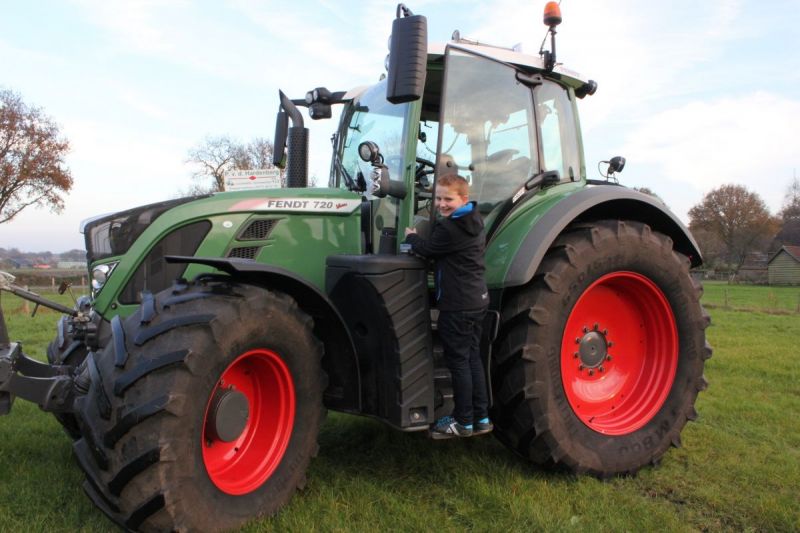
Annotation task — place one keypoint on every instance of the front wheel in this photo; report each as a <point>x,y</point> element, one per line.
<point>600,359</point>
<point>204,410</point>
<point>66,350</point>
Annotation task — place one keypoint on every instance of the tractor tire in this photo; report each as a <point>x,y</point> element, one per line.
<point>600,358</point>
<point>65,350</point>
<point>203,410</point>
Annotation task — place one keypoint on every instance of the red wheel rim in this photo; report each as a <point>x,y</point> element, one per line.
<point>243,464</point>
<point>619,353</point>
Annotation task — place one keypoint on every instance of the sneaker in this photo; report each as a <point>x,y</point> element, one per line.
<point>484,425</point>
<point>447,427</point>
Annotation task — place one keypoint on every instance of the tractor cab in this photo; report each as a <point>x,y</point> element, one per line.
<point>495,116</point>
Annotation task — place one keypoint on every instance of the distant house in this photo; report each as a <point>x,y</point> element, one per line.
<point>42,266</point>
<point>784,266</point>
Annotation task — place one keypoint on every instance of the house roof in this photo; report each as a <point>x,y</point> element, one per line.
<point>793,251</point>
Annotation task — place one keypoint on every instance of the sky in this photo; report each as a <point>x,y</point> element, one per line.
<point>693,94</point>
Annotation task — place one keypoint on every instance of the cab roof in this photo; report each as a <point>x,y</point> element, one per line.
<point>528,62</point>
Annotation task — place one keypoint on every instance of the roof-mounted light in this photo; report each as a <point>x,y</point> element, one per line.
<point>552,14</point>
<point>552,18</point>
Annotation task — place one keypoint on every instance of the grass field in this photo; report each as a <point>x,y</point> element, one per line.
<point>738,469</point>
<point>719,294</point>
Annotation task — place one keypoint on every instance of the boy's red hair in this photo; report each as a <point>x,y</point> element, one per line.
<point>456,182</point>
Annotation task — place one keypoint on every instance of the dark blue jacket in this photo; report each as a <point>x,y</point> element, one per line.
<point>457,246</point>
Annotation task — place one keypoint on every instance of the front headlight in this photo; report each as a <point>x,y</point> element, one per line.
<point>100,275</point>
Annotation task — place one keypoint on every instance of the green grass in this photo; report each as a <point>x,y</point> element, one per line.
<point>751,297</point>
<point>738,469</point>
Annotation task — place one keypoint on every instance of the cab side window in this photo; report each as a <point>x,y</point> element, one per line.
<point>557,130</point>
<point>488,128</point>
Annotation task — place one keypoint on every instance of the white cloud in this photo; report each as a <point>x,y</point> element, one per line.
<point>747,140</point>
<point>112,171</point>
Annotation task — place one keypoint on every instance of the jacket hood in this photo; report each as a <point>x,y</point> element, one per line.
<point>468,219</point>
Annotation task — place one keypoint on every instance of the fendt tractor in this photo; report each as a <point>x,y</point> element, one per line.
<point>195,377</point>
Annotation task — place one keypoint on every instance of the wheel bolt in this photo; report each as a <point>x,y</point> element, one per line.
<point>585,329</point>
<point>575,355</point>
<point>591,372</point>
<point>601,369</point>
<point>608,358</point>
<point>605,332</point>
<point>580,367</point>
<point>577,340</point>
<point>610,344</point>
<point>596,326</point>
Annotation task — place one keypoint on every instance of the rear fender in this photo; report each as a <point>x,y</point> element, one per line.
<point>340,361</point>
<point>595,203</point>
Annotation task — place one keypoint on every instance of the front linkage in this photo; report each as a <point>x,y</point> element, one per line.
<point>51,387</point>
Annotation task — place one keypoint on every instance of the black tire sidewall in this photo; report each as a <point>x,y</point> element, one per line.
<point>630,248</point>
<point>305,372</point>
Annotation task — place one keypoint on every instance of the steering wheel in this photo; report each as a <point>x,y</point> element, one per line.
<point>424,169</point>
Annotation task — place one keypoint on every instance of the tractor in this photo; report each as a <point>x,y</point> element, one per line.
<point>220,329</point>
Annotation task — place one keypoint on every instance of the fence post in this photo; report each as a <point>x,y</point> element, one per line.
<point>726,298</point>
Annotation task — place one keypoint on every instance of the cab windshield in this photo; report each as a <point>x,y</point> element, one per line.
<point>370,117</point>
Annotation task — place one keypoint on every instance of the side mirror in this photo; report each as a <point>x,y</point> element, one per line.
<point>408,56</point>
<point>616,164</point>
<point>380,183</point>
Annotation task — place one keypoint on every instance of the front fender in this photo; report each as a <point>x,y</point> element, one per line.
<point>340,361</point>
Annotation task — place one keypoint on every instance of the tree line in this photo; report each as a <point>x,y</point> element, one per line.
<point>732,222</point>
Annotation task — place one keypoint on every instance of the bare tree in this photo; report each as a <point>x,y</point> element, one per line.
<point>215,156</point>
<point>790,217</point>
<point>32,168</point>
<point>255,154</point>
<point>738,218</point>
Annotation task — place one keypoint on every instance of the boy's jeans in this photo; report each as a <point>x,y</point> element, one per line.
<point>460,332</point>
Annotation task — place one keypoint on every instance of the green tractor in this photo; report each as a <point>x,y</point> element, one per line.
<point>220,329</point>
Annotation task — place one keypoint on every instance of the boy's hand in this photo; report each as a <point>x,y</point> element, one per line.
<point>409,231</point>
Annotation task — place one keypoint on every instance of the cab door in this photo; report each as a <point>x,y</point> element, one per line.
<point>498,126</point>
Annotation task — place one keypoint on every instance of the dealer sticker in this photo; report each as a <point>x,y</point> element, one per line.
<point>301,205</point>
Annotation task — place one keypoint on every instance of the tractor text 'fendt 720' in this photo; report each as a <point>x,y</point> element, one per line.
<point>195,378</point>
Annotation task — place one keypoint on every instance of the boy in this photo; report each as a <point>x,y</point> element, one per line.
<point>457,245</point>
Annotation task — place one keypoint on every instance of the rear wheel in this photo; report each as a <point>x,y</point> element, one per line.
<point>600,359</point>
<point>204,412</point>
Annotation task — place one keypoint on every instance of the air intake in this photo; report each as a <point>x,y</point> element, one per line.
<point>245,252</point>
<point>258,230</point>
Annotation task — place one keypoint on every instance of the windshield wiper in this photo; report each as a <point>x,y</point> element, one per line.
<point>348,179</point>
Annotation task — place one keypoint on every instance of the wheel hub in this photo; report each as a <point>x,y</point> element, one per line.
<point>616,387</point>
<point>228,415</point>
<point>593,349</point>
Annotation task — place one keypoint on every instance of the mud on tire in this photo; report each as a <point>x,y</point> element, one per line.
<point>156,455</point>
<point>600,358</point>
